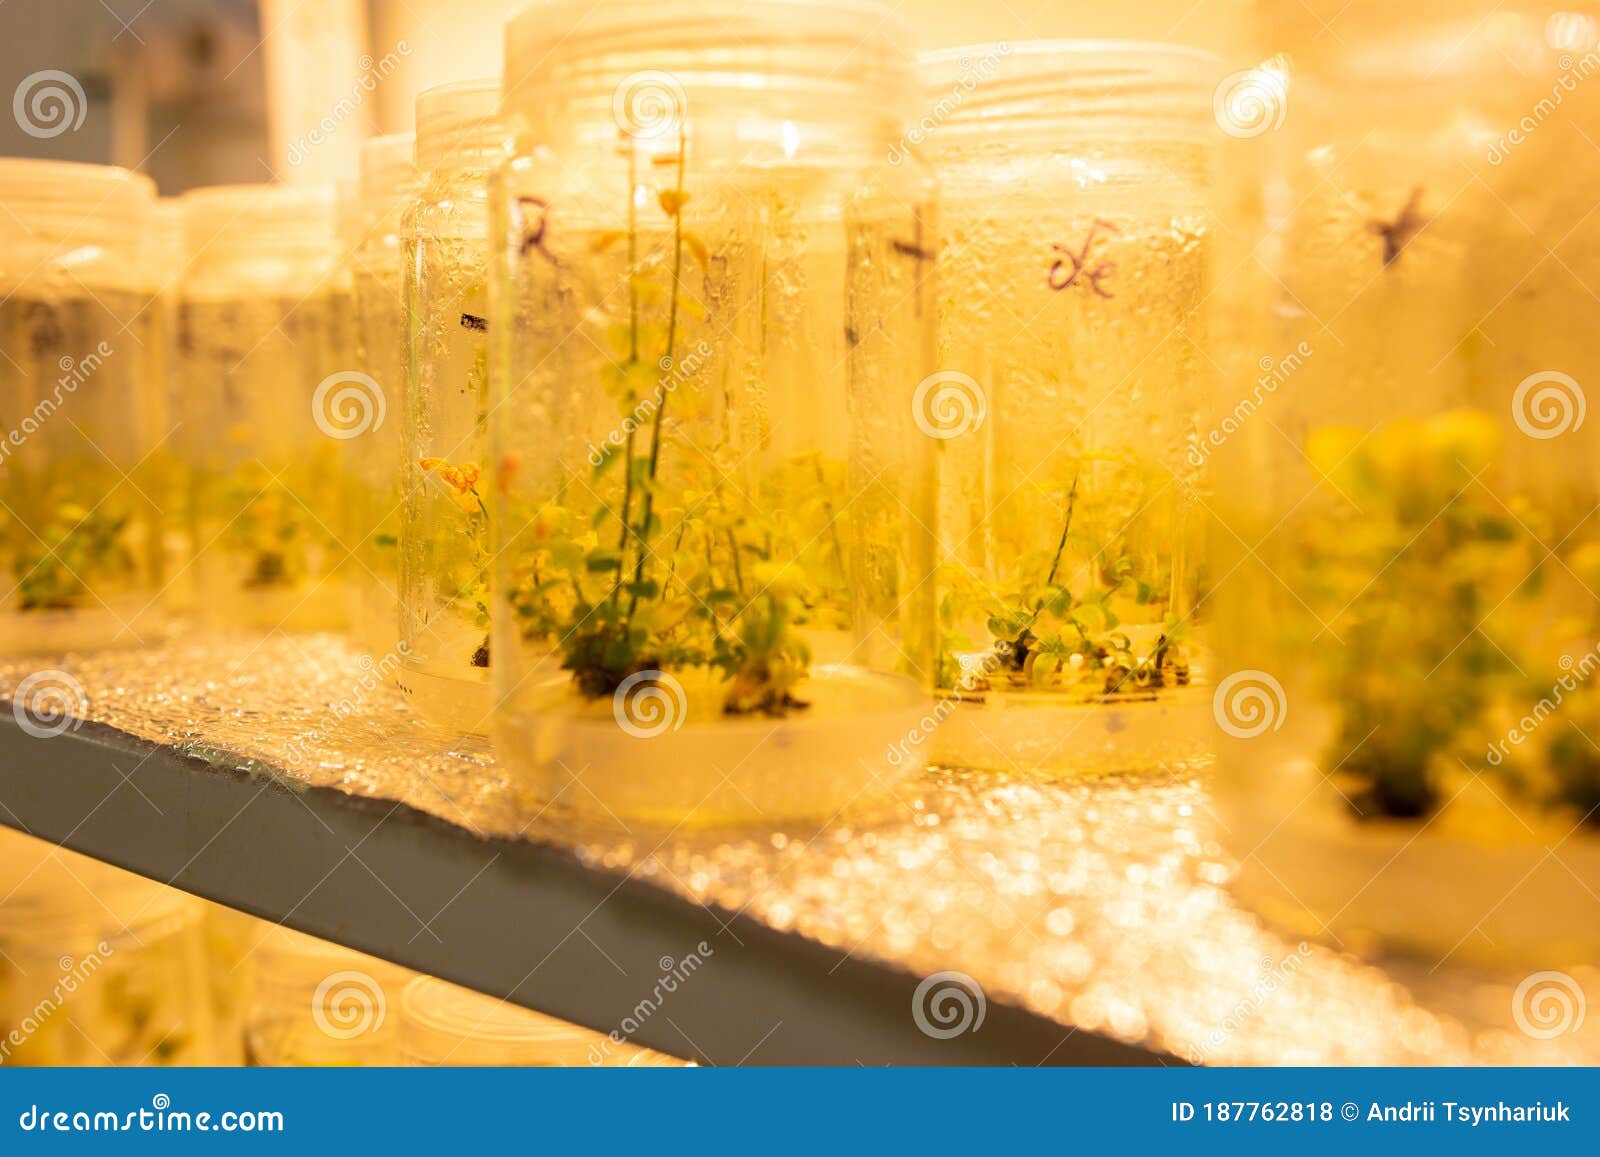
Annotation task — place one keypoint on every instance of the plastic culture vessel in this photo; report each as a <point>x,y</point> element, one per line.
<point>705,299</point>
<point>270,392</point>
<point>97,967</point>
<point>442,1024</point>
<point>445,557</point>
<point>389,182</point>
<point>1409,660</point>
<point>319,1003</point>
<point>168,259</point>
<point>81,413</point>
<point>1077,241</point>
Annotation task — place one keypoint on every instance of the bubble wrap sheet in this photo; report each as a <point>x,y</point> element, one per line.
<point>1100,904</point>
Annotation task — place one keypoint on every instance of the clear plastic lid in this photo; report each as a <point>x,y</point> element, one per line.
<point>85,215</point>
<point>1075,88</point>
<point>458,125</point>
<point>261,232</point>
<point>1389,46</point>
<point>649,62</point>
<point>166,238</point>
<point>388,167</point>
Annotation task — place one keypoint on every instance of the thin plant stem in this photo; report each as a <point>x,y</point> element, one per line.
<point>647,508</point>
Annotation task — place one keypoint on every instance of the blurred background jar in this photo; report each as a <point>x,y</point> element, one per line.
<point>318,1003</point>
<point>1409,616</point>
<point>701,220</point>
<point>444,568</point>
<point>265,360</point>
<point>97,966</point>
<point>1076,250</point>
<point>443,1024</point>
<point>81,411</point>
<point>169,259</point>
<point>389,181</point>
<point>231,940</point>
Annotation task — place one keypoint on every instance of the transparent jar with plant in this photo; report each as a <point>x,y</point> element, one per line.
<point>1410,618</point>
<point>82,416</point>
<point>270,392</point>
<point>445,556</point>
<point>1076,247</point>
<point>318,1003</point>
<point>701,248</point>
<point>375,469</point>
<point>97,966</point>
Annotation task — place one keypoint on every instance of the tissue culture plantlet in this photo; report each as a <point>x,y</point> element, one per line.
<point>70,529</point>
<point>457,566</point>
<point>684,563</point>
<point>1112,637</point>
<point>468,583</point>
<point>268,491</point>
<point>75,542</point>
<point>1433,588</point>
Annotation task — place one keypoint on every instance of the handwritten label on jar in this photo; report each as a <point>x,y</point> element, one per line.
<point>1397,234</point>
<point>1071,266</point>
<point>917,249</point>
<point>535,214</point>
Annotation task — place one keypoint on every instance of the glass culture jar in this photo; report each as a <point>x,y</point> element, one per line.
<point>442,1024</point>
<point>81,411</point>
<point>444,567</point>
<point>707,312</point>
<point>389,181</point>
<point>264,359</point>
<point>231,939</point>
<point>1077,238</point>
<point>179,590</point>
<point>97,967</point>
<point>1409,622</point>
<point>319,1003</point>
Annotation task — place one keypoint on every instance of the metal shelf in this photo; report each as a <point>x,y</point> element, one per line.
<point>513,918</point>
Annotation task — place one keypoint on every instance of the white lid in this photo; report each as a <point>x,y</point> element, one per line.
<point>459,124</point>
<point>228,222</point>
